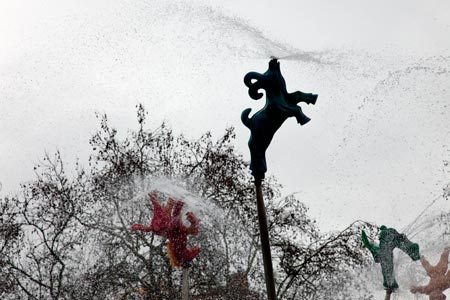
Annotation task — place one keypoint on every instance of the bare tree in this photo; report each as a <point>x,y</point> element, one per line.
<point>67,236</point>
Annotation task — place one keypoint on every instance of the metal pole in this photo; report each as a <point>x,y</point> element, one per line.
<point>388,294</point>
<point>185,284</point>
<point>265,243</point>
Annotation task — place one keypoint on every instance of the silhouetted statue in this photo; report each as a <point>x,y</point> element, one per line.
<point>280,105</point>
<point>439,277</point>
<point>383,253</point>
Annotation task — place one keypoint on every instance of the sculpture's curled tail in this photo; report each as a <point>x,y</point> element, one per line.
<point>244,117</point>
<point>254,87</point>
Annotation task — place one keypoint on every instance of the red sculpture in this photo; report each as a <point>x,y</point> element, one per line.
<point>439,278</point>
<point>167,222</point>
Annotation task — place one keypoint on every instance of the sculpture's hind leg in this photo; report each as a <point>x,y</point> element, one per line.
<point>302,119</point>
<point>387,268</point>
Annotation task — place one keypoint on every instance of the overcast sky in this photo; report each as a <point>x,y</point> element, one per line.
<point>378,142</point>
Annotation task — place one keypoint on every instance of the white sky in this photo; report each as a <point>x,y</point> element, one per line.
<point>379,134</point>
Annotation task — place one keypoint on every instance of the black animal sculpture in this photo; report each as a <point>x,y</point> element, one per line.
<point>280,105</point>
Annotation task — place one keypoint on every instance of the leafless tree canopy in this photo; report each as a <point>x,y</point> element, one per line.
<point>66,234</point>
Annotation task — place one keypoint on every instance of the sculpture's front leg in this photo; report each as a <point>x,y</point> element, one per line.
<point>193,228</point>
<point>372,247</point>
<point>442,265</point>
<point>298,96</point>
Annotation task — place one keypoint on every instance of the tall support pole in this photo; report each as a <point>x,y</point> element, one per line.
<point>185,283</point>
<point>388,294</point>
<point>265,243</point>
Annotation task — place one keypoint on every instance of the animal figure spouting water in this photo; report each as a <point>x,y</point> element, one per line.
<point>439,277</point>
<point>383,253</point>
<point>167,223</point>
<point>280,105</point>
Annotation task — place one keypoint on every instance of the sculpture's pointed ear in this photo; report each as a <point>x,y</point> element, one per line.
<point>274,65</point>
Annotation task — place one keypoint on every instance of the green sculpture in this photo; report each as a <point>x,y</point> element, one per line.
<point>383,253</point>
<point>280,105</point>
